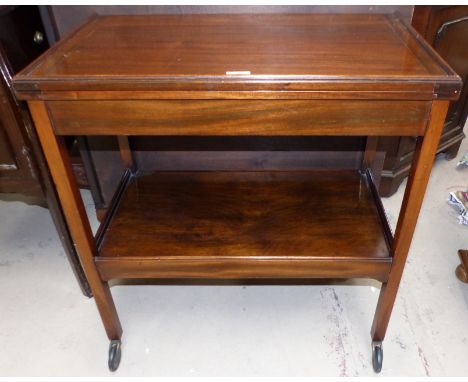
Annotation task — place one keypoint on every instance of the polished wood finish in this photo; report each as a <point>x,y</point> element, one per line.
<point>69,17</point>
<point>445,27</point>
<point>411,205</point>
<point>57,157</point>
<point>299,39</point>
<point>237,268</point>
<point>250,224</point>
<point>187,53</point>
<point>239,117</point>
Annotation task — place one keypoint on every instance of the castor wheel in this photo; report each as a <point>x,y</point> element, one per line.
<point>115,353</point>
<point>377,356</point>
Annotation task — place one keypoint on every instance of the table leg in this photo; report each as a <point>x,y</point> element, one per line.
<point>369,153</point>
<point>414,194</point>
<point>126,152</point>
<point>59,163</point>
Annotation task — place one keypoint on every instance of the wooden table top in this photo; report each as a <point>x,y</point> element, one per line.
<point>306,52</point>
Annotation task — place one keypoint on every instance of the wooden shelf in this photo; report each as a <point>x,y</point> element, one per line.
<point>246,225</point>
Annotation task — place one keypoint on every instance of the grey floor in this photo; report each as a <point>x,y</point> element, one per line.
<point>47,328</point>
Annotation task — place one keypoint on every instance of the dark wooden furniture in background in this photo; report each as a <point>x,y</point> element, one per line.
<point>445,27</point>
<point>204,75</point>
<point>22,39</point>
<point>23,170</point>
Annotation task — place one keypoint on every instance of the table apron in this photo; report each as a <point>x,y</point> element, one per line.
<point>240,117</point>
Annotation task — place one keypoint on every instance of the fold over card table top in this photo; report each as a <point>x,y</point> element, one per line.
<point>352,56</point>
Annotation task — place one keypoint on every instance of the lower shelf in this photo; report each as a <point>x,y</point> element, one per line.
<point>296,224</point>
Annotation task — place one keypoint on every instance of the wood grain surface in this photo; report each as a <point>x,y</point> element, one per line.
<point>239,117</point>
<point>175,223</point>
<point>241,52</point>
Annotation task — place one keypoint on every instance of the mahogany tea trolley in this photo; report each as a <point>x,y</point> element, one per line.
<point>288,75</point>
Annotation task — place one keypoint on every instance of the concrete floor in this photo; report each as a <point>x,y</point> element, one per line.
<point>47,328</point>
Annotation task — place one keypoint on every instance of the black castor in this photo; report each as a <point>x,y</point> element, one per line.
<point>377,356</point>
<point>115,352</point>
